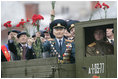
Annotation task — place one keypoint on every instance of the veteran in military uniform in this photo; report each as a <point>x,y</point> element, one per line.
<point>22,49</point>
<point>110,35</point>
<point>99,47</point>
<point>71,28</point>
<point>59,46</point>
<point>6,52</point>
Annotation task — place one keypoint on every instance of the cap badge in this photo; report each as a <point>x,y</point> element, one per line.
<point>58,24</point>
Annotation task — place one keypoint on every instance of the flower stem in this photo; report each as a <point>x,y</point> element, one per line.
<point>38,25</point>
<point>90,17</point>
<point>9,28</point>
<point>105,13</point>
<point>53,4</point>
<point>100,14</point>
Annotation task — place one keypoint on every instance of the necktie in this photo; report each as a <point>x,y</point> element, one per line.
<point>24,52</point>
<point>112,42</point>
<point>60,44</point>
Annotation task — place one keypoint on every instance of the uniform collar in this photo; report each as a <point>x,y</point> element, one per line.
<point>110,40</point>
<point>24,45</point>
<point>59,39</point>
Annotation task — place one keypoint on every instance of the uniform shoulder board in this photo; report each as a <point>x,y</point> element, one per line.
<point>51,39</point>
<point>69,40</point>
<point>92,44</point>
<point>108,43</point>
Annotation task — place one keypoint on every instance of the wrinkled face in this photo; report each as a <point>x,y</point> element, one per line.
<point>67,33</point>
<point>99,35</point>
<point>13,34</point>
<point>72,31</point>
<point>59,33</point>
<point>47,35</point>
<point>109,32</point>
<point>23,39</point>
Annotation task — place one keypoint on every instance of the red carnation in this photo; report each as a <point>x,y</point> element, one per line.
<point>98,2</point>
<point>98,5</point>
<point>34,23</point>
<point>8,24</point>
<point>34,18</point>
<point>5,24</point>
<point>22,19</point>
<point>105,5</point>
<point>18,25</point>
<point>28,20</point>
<point>41,17</point>
<point>22,22</point>
<point>37,17</point>
<point>46,29</point>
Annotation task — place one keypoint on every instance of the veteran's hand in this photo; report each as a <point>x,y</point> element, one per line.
<point>30,41</point>
<point>42,39</point>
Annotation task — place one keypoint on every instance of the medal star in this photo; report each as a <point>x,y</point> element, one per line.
<point>58,24</point>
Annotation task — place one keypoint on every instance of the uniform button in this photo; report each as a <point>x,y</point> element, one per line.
<point>97,52</point>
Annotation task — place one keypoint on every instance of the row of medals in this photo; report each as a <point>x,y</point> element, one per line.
<point>66,56</point>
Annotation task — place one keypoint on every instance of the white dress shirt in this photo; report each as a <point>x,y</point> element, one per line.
<point>26,45</point>
<point>59,42</point>
<point>110,40</point>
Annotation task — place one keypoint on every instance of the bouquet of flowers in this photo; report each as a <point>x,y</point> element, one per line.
<point>8,25</point>
<point>36,18</point>
<point>99,6</point>
<point>22,23</point>
<point>38,44</point>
